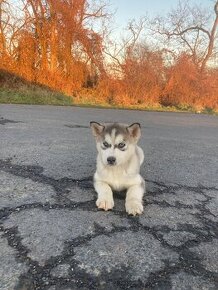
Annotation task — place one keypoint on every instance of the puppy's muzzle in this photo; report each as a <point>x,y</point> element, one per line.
<point>111,160</point>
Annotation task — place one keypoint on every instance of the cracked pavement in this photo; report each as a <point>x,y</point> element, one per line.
<point>52,236</point>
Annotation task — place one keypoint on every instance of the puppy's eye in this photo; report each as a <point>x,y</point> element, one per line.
<point>121,145</point>
<point>106,145</point>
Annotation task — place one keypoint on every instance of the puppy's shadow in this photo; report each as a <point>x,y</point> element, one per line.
<point>119,200</point>
<point>120,194</point>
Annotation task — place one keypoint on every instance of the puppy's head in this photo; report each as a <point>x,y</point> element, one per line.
<point>115,142</point>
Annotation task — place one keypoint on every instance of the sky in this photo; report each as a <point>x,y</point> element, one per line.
<point>126,10</point>
<point>129,9</point>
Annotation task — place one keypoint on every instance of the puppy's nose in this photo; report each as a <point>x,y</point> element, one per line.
<point>111,160</point>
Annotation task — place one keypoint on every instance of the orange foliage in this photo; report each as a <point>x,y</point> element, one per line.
<point>55,47</point>
<point>143,76</point>
<point>188,86</point>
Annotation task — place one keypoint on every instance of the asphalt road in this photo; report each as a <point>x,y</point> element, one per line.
<point>53,237</point>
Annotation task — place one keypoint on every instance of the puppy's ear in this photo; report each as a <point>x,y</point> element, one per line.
<point>135,131</point>
<point>97,128</point>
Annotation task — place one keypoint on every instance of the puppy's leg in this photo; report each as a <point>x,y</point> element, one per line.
<point>105,195</point>
<point>134,195</point>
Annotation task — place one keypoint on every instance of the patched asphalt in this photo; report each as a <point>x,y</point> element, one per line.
<point>52,237</point>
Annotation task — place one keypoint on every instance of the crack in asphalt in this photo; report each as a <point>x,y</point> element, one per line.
<point>4,121</point>
<point>40,277</point>
<point>76,126</point>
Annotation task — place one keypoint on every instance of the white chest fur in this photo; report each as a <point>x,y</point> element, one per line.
<point>120,177</point>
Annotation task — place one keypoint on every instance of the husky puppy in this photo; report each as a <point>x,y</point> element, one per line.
<point>118,165</point>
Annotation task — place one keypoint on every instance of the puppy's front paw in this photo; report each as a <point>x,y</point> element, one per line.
<point>134,207</point>
<point>105,203</point>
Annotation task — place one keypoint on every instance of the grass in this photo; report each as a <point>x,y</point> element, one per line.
<point>145,108</point>
<point>36,95</point>
<point>16,90</point>
<point>33,96</point>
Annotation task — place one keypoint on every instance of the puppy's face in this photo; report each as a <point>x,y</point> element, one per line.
<point>115,142</point>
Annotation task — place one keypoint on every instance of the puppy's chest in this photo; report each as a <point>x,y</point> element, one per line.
<point>117,178</point>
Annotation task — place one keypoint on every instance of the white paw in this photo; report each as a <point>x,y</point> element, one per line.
<point>134,207</point>
<point>105,203</point>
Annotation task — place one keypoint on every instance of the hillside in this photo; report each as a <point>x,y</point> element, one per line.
<point>15,90</point>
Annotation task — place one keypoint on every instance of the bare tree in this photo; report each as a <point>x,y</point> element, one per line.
<point>59,25</point>
<point>119,52</point>
<point>188,27</point>
<point>4,19</point>
<point>11,24</point>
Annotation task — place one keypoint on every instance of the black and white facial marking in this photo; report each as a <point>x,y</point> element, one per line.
<point>115,142</point>
<point>105,145</point>
<point>114,145</point>
<point>122,146</point>
<point>116,139</point>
